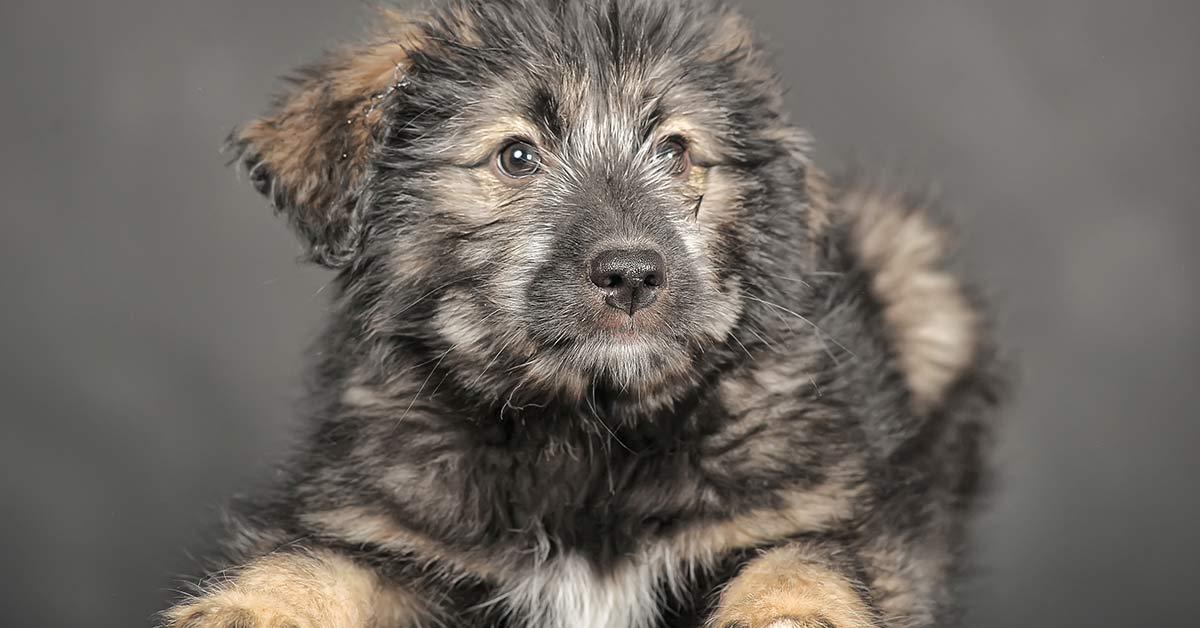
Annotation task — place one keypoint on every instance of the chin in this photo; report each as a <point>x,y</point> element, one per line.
<point>625,361</point>
<point>635,361</point>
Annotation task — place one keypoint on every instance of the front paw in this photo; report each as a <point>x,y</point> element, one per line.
<point>768,616</point>
<point>787,622</point>
<point>781,590</point>
<point>791,606</point>
<point>224,613</point>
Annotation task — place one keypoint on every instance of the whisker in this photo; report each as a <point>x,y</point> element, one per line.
<point>596,415</point>
<point>423,385</point>
<point>423,297</point>
<point>761,337</point>
<point>806,320</point>
<point>787,278</point>
<point>748,354</point>
<point>492,361</point>
<point>432,371</point>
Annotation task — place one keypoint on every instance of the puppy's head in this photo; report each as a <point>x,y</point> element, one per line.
<point>543,193</point>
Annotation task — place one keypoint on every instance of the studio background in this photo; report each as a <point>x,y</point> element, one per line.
<point>154,321</point>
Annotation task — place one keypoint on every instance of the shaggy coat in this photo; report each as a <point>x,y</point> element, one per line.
<point>771,416</point>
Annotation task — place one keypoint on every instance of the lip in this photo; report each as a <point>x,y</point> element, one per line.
<point>621,324</point>
<point>626,335</point>
<point>623,331</point>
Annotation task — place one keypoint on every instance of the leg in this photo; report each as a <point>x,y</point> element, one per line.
<point>317,589</point>
<point>793,587</point>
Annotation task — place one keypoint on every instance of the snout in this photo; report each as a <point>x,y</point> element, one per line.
<point>629,279</point>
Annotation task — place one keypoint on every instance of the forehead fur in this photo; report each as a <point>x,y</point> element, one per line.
<point>597,35</point>
<point>572,68</point>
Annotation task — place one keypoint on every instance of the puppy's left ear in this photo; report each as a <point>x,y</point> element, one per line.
<point>312,154</point>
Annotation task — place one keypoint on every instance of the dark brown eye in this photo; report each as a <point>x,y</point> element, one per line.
<point>673,152</point>
<point>518,160</point>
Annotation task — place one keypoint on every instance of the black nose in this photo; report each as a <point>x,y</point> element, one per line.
<point>629,279</point>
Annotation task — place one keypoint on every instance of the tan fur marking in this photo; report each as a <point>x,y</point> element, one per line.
<point>722,202</point>
<point>476,195</point>
<point>475,143</point>
<point>703,143</point>
<point>731,35</point>
<point>362,397</point>
<point>934,326</point>
<point>814,510</point>
<point>817,189</point>
<point>778,377</point>
<point>785,588</point>
<point>309,590</point>
<point>360,525</point>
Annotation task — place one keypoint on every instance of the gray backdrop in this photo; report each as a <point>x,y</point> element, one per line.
<point>154,321</point>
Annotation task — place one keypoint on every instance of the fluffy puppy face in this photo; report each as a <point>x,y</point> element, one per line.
<point>542,193</point>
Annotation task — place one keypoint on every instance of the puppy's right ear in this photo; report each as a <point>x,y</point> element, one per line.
<point>312,154</point>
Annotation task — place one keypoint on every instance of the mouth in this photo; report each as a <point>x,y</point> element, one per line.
<point>620,326</point>
<point>628,342</point>
<point>631,352</point>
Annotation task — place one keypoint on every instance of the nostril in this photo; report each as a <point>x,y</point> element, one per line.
<point>630,278</point>
<point>611,280</point>
<point>606,278</point>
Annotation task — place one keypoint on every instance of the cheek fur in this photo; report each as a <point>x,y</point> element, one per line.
<point>462,323</point>
<point>716,221</point>
<point>497,238</point>
<point>709,238</point>
<point>724,310</point>
<point>465,194</point>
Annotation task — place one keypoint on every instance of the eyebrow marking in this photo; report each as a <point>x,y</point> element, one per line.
<point>544,110</point>
<point>653,120</point>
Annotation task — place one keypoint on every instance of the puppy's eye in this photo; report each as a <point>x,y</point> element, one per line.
<point>673,152</point>
<point>518,160</point>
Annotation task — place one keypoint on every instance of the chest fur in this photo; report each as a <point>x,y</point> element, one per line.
<point>569,592</point>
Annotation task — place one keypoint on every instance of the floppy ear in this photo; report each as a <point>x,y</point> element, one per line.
<point>311,155</point>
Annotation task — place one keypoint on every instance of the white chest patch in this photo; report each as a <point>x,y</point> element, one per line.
<point>569,593</point>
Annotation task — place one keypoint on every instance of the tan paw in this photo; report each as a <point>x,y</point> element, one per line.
<point>790,606</point>
<point>782,590</point>
<point>787,623</point>
<point>811,622</point>
<point>220,613</point>
<point>737,620</point>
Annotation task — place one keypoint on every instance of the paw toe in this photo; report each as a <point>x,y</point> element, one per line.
<point>224,617</point>
<point>816,621</point>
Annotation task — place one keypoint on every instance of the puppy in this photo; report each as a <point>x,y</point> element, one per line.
<point>607,350</point>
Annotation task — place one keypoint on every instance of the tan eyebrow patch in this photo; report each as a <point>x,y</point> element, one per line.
<point>478,143</point>
<point>705,146</point>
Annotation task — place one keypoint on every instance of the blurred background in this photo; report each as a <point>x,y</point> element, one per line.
<point>154,321</point>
